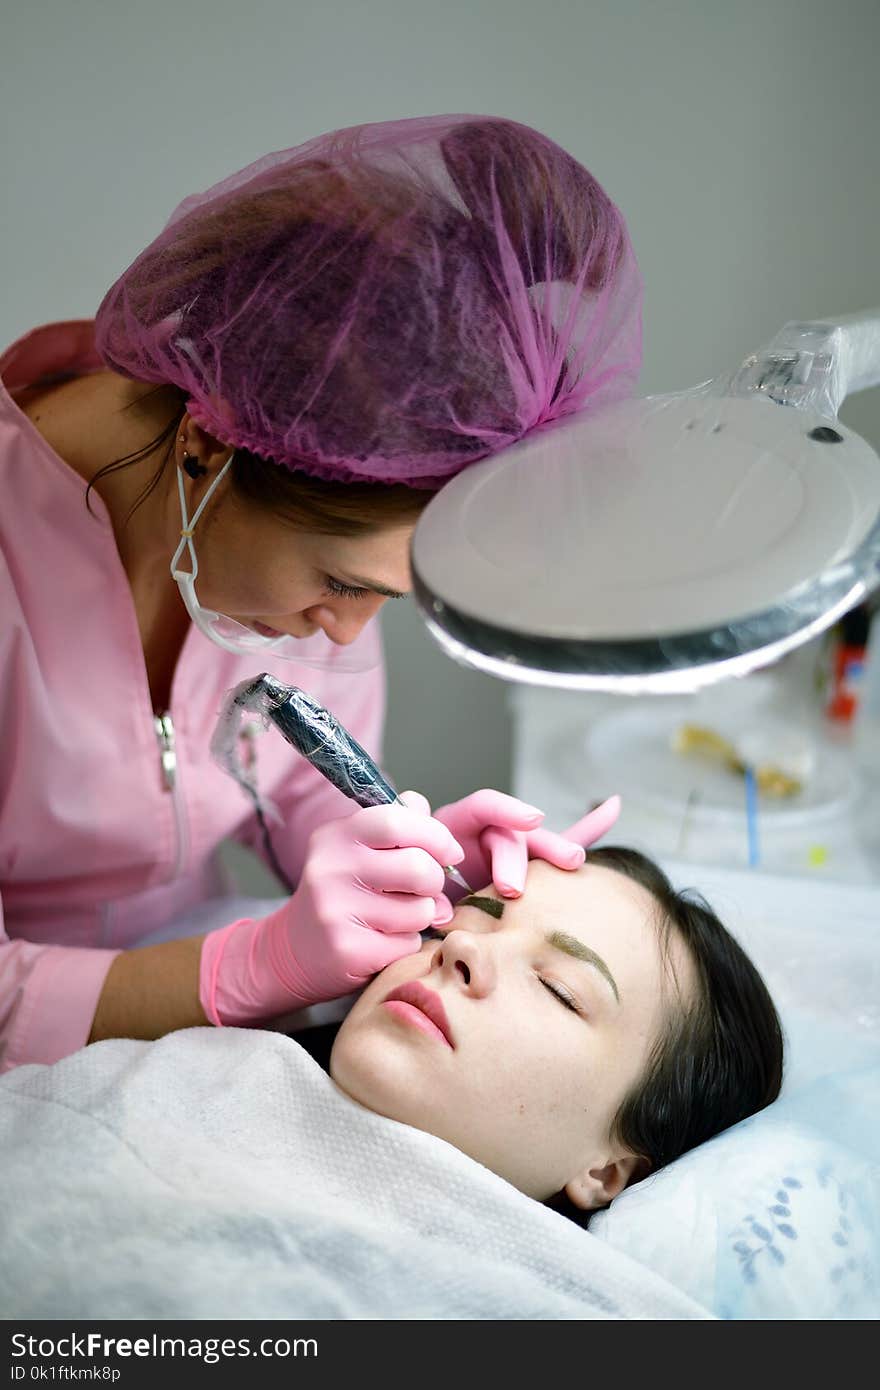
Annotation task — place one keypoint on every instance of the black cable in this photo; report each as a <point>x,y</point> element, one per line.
<point>270,849</point>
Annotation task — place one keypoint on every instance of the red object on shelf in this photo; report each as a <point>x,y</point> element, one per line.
<point>849,664</point>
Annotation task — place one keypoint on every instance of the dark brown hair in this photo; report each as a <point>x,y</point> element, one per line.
<point>716,1060</point>
<point>312,504</point>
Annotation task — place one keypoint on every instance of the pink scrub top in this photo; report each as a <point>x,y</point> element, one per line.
<point>103,841</point>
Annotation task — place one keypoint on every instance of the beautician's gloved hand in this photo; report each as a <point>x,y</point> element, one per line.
<point>371,883</point>
<point>500,835</point>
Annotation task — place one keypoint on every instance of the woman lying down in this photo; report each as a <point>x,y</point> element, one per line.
<point>522,1064</point>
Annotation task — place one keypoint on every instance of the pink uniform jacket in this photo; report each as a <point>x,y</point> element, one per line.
<point>109,825</point>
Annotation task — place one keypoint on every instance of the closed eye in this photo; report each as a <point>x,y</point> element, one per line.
<point>561,994</point>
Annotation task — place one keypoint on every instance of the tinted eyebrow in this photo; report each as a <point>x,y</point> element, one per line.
<point>559,940</point>
<point>570,945</point>
<point>492,906</point>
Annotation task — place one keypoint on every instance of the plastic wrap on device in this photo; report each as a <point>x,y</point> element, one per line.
<point>246,702</point>
<point>310,728</point>
<point>812,365</point>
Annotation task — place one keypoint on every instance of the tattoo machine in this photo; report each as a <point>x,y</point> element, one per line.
<point>315,733</point>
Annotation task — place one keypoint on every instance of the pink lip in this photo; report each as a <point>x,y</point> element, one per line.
<point>265,631</point>
<point>421,1007</point>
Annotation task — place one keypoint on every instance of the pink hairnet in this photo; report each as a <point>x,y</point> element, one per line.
<point>388,302</point>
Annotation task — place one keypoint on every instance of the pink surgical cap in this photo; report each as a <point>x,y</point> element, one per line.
<point>388,302</point>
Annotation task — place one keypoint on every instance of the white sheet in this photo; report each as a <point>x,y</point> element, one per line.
<point>220,1174</point>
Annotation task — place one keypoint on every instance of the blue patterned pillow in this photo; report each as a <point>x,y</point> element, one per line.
<point>779,1217</point>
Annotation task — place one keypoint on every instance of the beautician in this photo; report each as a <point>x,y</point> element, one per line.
<point>220,476</point>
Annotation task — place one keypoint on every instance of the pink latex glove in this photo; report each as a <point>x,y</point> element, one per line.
<point>371,883</point>
<point>500,835</point>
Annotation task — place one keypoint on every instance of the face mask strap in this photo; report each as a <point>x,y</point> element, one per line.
<point>204,618</point>
<point>189,526</point>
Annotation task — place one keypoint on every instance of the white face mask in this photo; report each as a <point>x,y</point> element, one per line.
<point>317,650</point>
<point>232,636</point>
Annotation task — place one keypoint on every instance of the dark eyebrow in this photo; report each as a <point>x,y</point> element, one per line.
<point>492,906</point>
<point>559,940</point>
<point>570,945</point>
<point>376,588</point>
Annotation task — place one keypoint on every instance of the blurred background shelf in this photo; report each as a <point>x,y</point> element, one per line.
<point>571,750</point>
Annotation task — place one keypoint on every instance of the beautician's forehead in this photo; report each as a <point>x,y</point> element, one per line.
<point>383,554</point>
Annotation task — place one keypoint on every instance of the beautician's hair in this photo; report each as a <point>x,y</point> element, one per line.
<point>312,504</point>
<point>716,1060</point>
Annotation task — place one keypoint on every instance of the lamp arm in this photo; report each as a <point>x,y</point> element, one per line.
<point>858,347</point>
<point>812,365</point>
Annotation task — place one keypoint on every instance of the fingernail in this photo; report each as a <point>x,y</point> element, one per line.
<point>441,921</point>
<point>507,890</point>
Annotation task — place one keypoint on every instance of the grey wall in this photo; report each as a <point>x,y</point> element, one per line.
<point>740,139</point>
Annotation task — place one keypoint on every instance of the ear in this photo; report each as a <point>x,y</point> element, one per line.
<point>596,1187</point>
<point>201,445</point>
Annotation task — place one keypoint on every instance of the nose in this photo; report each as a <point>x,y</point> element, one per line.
<point>345,621</point>
<point>465,960</point>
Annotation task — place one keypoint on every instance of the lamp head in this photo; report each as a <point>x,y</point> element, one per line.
<point>657,545</point>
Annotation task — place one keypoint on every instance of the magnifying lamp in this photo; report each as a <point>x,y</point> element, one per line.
<point>663,544</point>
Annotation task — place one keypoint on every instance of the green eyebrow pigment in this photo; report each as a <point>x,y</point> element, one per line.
<point>490,905</point>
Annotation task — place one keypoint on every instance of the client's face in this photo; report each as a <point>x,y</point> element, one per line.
<point>516,1038</point>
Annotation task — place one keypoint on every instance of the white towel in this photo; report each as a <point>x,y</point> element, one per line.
<point>222,1174</point>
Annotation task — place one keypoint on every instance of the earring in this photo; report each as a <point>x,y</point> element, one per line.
<point>192,467</point>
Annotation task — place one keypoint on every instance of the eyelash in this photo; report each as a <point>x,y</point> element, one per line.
<point>561,994</point>
<point>340,590</point>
